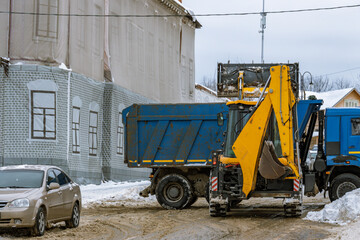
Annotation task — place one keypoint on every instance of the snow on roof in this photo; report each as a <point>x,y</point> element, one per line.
<point>200,87</point>
<point>204,95</point>
<point>330,98</point>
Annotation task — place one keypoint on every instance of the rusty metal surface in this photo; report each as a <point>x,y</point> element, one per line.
<point>255,75</point>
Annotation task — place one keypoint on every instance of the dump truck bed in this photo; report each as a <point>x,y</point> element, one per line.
<point>159,135</point>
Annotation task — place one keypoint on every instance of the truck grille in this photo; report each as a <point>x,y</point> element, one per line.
<point>2,204</point>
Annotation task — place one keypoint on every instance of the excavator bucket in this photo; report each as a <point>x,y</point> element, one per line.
<point>270,167</point>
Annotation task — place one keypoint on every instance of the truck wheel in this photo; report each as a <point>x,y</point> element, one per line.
<point>173,191</point>
<point>193,199</point>
<point>207,193</point>
<point>342,184</point>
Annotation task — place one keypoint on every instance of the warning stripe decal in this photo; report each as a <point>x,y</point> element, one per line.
<point>296,184</point>
<point>214,183</point>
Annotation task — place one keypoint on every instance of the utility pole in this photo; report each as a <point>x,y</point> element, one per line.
<point>262,31</point>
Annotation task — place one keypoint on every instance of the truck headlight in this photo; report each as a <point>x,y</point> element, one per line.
<point>20,203</point>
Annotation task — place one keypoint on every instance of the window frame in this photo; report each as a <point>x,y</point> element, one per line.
<point>38,19</point>
<point>351,103</point>
<point>120,136</point>
<point>355,131</point>
<point>44,118</point>
<point>93,147</point>
<point>76,132</point>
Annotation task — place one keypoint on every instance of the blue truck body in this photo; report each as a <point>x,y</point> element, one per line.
<point>342,136</point>
<point>172,135</point>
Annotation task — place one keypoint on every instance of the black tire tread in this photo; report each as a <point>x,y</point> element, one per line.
<point>340,179</point>
<point>184,182</point>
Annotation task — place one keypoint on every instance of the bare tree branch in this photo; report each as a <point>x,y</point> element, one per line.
<point>209,82</point>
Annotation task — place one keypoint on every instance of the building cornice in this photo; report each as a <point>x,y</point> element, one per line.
<point>179,9</point>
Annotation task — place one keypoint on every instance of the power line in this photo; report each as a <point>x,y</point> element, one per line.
<point>181,15</point>
<point>333,73</point>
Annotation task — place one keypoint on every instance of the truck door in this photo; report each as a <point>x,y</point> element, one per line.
<point>353,141</point>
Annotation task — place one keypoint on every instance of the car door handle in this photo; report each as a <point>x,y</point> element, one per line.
<point>59,193</point>
<point>352,146</point>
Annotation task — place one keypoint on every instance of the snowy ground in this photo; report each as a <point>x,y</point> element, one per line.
<point>344,212</point>
<point>127,193</point>
<point>116,211</point>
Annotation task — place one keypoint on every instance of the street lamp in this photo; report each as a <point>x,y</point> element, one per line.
<point>302,91</point>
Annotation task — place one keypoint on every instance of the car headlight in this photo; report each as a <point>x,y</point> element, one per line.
<point>20,203</point>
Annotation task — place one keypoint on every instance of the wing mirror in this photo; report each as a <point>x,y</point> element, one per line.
<point>53,186</point>
<point>220,119</point>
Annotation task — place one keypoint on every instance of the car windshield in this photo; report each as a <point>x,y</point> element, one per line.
<point>21,178</point>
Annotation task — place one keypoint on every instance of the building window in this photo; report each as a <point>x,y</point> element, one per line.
<point>93,125</point>
<point>351,103</point>
<point>120,136</point>
<point>43,115</point>
<point>76,130</point>
<point>47,25</point>
<point>355,126</point>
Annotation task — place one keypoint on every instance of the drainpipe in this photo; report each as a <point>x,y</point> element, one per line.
<point>9,32</point>
<point>68,122</point>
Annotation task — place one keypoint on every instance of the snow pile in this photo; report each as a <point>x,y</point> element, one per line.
<point>341,211</point>
<point>109,193</point>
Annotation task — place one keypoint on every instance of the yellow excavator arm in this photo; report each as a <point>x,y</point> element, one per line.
<point>248,146</point>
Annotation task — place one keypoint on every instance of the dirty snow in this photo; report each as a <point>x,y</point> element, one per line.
<point>342,211</point>
<point>112,192</point>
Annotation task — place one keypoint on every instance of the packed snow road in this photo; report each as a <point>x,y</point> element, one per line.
<point>115,211</point>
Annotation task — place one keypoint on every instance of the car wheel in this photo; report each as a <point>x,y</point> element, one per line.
<point>74,221</point>
<point>40,223</point>
<point>342,184</point>
<point>173,191</point>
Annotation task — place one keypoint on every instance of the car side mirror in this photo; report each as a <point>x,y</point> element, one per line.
<point>220,119</point>
<point>53,186</point>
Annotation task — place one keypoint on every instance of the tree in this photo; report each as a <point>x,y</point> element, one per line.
<point>341,83</point>
<point>209,82</point>
<point>319,84</point>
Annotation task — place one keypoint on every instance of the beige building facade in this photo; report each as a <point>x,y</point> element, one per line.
<point>151,56</point>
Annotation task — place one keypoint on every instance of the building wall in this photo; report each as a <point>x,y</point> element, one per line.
<point>72,90</point>
<point>351,96</point>
<point>39,38</point>
<point>18,147</point>
<point>153,56</point>
<point>4,28</point>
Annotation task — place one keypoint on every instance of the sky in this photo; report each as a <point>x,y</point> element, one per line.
<point>323,42</point>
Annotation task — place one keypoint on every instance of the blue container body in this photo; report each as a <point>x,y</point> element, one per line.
<point>159,135</point>
<point>304,110</point>
<point>342,136</point>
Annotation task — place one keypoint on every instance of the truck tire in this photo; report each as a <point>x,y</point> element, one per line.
<point>193,199</point>
<point>173,191</point>
<point>207,193</point>
<point>342,184</point>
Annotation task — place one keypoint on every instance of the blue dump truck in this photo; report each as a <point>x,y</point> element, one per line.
<point>175,141</point>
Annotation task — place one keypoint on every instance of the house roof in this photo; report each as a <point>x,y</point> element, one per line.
<point>331,98</point>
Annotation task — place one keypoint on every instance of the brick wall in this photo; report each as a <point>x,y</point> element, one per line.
<point>16,146</point>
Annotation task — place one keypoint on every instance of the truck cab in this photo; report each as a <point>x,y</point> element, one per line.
<point>342,150</point>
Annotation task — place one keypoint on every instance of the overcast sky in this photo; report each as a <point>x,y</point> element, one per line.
<point>323,42</point>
